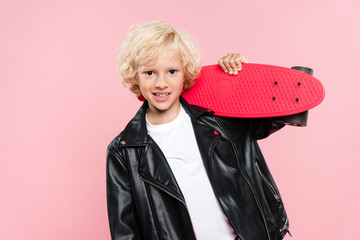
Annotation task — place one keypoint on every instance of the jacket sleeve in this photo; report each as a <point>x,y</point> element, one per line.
<point>121,210</point>
<point>299,120</point>
<point>264,127</point>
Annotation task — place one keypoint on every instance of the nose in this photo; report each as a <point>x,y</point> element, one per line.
<point>161,82</point>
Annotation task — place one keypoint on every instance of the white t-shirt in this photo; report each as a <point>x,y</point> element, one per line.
<point>178,143</point>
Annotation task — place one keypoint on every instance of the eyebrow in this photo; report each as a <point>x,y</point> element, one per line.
<point>170,67</point>
<point>176,66</point>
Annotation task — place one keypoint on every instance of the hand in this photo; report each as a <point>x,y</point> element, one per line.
<point>231,63</point>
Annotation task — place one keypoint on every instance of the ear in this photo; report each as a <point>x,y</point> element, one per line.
<point>140,97</point>
<point>136,78</point>
<point>185,85</point>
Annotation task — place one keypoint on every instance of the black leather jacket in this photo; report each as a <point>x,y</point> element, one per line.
<point>144,199</point>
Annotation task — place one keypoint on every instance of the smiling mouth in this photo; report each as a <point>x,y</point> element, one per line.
<point>161,95</point>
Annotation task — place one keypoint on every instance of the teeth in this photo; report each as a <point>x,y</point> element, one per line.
<point>161,95</point>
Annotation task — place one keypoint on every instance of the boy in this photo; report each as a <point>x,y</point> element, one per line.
<point>177,171</point>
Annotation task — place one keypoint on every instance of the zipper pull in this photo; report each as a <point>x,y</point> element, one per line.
<point>286,228</point>
<point>288,232</point>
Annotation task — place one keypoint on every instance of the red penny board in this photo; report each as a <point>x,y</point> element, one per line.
<point>257,91</point>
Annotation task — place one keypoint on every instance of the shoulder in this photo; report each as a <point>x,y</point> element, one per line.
<point>235,124</point>
<point>116,141</point>
<point>115,147</point>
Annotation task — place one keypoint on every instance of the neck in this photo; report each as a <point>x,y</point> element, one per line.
<point>158,117</point>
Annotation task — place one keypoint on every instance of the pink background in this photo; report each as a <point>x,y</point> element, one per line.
<point>62,103</point>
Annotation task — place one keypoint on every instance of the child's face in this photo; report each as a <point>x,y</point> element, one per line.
<point>161,83</point>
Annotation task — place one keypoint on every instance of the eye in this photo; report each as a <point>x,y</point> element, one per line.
<point>172,71</point>
<point>150,73</point>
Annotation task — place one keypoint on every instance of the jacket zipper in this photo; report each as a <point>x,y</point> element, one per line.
<point>272,189</point>
<point>276,196</point>
<point>177,198</point>
<point>247,180</point>
<point>285,228</point>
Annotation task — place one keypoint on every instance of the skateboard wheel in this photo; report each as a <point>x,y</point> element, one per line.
<point>303,69</point>
<point>300,119</point>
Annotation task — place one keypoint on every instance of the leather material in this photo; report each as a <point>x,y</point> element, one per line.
<point>145,201</point>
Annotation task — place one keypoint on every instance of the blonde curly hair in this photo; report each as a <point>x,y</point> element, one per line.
<point>145,42</point>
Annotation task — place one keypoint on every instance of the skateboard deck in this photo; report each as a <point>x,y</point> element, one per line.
<point>257,91</point>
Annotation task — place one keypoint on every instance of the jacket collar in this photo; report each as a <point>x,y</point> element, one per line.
<point>153,166</point>
<point>135,133</point>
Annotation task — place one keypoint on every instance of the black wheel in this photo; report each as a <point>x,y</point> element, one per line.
<point>303,69</point>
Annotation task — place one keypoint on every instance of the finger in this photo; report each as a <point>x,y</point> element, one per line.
<point>226,62</point>
<point>239,60</point>
<point>222,65</point>
<point>232,62</point>
<point>244,60</point>
<point>235,63</point>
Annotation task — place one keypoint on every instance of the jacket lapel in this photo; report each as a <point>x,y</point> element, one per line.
<point>154,169</point>
<point>206,139</point>
<point>152,166</point>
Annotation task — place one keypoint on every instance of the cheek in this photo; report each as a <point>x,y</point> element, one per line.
<point>143,84</point>
<point>182,84</point>
<point>142,87</point>
<point>178,85</point>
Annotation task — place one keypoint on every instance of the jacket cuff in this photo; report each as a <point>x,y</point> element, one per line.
<point>299,119</point>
